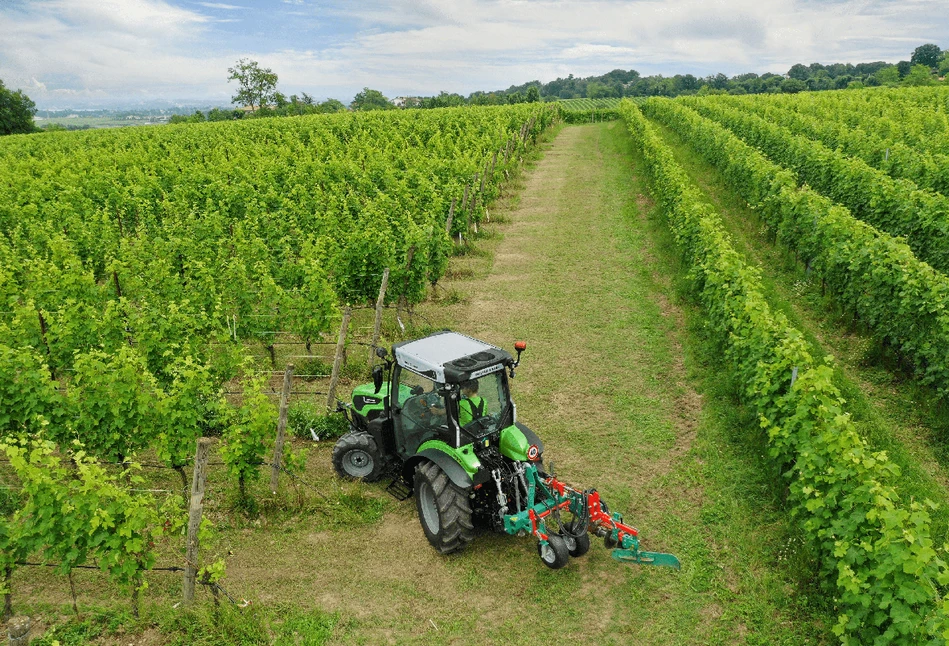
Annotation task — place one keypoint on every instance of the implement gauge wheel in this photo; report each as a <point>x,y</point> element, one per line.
<point>356,457</point>
<point>555,553</point>
<point>577,538</point>
<point>443,509</point>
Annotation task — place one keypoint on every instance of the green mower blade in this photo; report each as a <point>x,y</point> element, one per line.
<point>646,558</point>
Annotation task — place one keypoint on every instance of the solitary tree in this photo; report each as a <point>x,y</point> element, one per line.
<point>256,86</point>
<point>16,112</point>
<point>370,100</point>
<point>889,74</point>
<point>927,55</point>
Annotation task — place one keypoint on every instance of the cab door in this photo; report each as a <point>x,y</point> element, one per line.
<point>420,411</point>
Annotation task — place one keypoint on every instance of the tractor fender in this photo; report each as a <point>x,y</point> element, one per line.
<point>455,472</point>
<point>531,437</point>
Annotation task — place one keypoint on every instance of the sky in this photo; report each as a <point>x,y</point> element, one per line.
<point>121,53</point>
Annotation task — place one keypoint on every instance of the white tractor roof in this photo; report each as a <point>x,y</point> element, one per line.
<point>430,354</point>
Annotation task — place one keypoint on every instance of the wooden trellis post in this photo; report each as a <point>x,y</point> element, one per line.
<point>338,360</point>
<point>377,326</point>
<point>401,303</point>
<point>451,216</point>
<point>196,508</point>
<point>281,429</point>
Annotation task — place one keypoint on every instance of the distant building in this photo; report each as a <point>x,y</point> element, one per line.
<point>405,101</point>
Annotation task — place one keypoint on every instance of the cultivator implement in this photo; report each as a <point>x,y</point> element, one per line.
<point>547,497</point>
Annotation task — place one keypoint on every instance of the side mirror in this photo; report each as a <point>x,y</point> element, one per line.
<point>381,352</point>
<point>377,378</point>
<point>520,346</point>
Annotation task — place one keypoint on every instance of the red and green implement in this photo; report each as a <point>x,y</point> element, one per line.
<point>439,416</point>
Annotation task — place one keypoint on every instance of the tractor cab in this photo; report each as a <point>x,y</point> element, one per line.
<point>450,388</point>
<point>442,398</point>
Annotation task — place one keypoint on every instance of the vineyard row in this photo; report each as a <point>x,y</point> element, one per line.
<point>897,207</point>
<point>876,554</point>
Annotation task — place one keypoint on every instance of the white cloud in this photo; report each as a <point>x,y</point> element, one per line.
<point>220,5</point>
<point>111,49</point>
<point>588,50</point>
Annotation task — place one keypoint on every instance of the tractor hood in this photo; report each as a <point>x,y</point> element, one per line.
<point>449,357</point>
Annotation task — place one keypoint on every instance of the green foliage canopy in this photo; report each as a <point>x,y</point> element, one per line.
<point>370,100</point>
<point>16,112</point>
<point>919,75</point>
<point>928,55</point>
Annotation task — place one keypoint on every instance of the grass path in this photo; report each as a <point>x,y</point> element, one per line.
<point>606,382</point>
<point>626,399</point>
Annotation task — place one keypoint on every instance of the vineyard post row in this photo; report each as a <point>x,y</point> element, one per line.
<point>135,538</point>
<point>876,553</point>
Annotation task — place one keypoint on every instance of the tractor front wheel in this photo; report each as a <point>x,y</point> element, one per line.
<point>356,457</point>
<point>555,553</point>
<point>443,509</point>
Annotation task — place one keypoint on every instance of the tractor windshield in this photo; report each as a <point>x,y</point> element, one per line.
<point>481,403</point>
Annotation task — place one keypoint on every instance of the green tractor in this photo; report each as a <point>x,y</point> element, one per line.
<point>439,419</point>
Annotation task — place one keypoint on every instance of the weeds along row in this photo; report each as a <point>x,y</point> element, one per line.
<point>875,551</point>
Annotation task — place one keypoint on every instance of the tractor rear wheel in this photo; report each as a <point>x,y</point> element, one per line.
<point>443,509</point>
<point>356,457</point>
<point>555,553</point>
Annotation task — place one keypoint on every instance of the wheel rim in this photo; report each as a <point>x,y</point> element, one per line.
<point>357,463</point>
<point>571,542</point>
<point>547,554</point>
<point>426,499</point>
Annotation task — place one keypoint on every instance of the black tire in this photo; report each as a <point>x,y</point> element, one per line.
<point>577,538</point>
<point>444,510</point>
<point>555,554</point>
<point>356,457</point>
